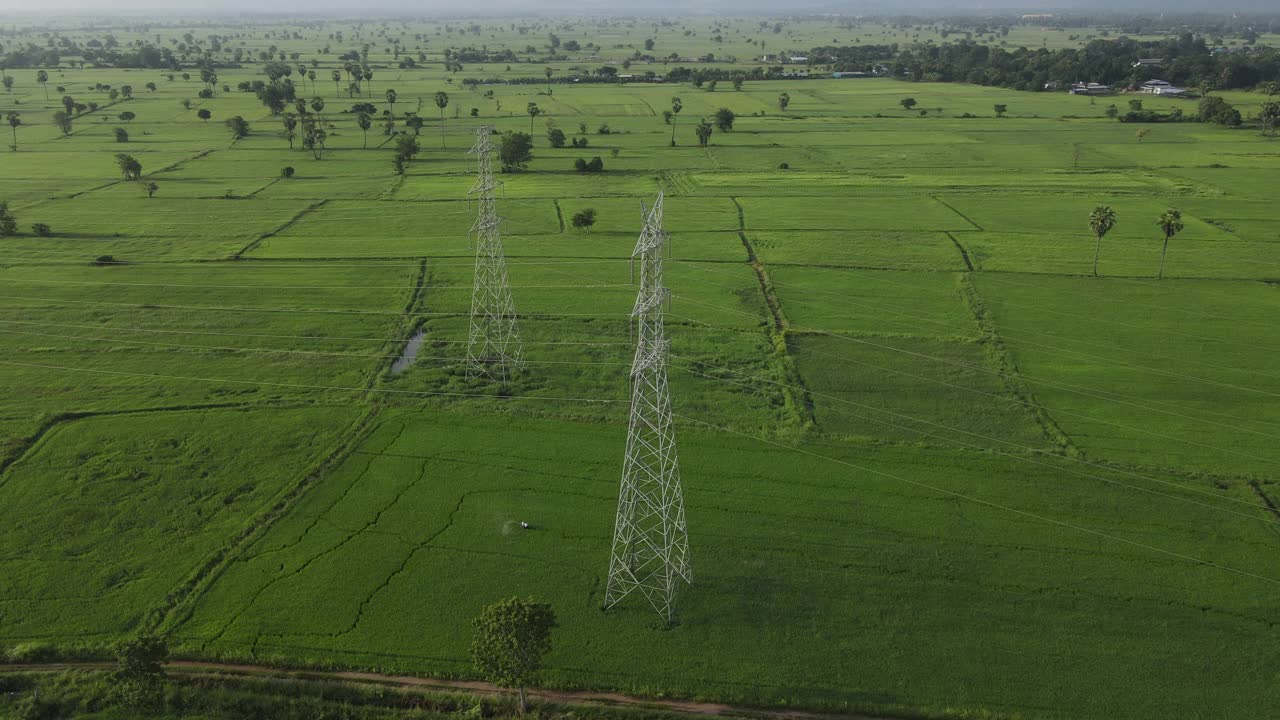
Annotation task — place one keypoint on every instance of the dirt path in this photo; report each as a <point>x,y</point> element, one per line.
<point>566,697</point>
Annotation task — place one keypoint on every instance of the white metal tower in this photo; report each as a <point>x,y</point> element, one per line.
<point>650,542</point>
<point>493,343</point>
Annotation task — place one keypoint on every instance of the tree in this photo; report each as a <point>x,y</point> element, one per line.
<point>907,103</point>
<point>42,77</point>
<point>511,637</point>
<point>8,223</point>
<point>783,101</point>
<point>1217,110</point>
<point>406,148</point>
<point>290,122</point>
<point>204,114</point>
<point>1101,220</point>
<point>534,111</point>
<point>122,135</point>
<point>676,107</point>
<point>14,119</point>
<point>129,166</point>
<point>1112,111</point>
<point>724,119</point>
<point>139,676</point>
<point>42,229</point>
<point>127,116</point>
<point>515,151</point>
<point>8,83</point>
<point>737,83</point>
<point>1142,133</point>
<point>337,78</point>
<point>364,122</point>
<point>414,123</point>
<point>1000,109</point>
<point>151,189</point>
<point>555,136</point>
<point>63,121</point>
<point>584,219</point>
<point>1270,116</point>
<point>313,137</point>
<point>1170,222</point>
<point>391,99</point>
<point>704,131</point>
<point>548,72</point>
<point>317,105</point>
<point>286,172</point>
<point>68,103</point>
<point>442,102</point>
<point>238,126</point>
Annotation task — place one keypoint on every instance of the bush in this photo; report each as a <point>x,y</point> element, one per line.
<point>604,130</point>
<point>105,260</point>
<point>286,172</point>
<point>122,135</point>
<point>556,137</point>
<point>32,652</point>
<point>784,166</point>
<point>42,229</point>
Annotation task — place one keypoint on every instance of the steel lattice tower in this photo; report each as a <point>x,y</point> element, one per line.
<point>493,343</point>
<point>650,541</point>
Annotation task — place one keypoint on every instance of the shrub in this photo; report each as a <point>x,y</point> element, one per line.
<point>105,260</point>
<point>286,172</point>
<point>42,229</point>
<point>784,166</point>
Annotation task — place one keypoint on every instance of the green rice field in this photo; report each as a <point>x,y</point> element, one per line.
<point>933,466</point>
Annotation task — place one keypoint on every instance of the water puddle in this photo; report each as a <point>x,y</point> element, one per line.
<point>410,353</point>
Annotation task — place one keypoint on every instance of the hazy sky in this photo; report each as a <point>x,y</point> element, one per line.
<point>599,7</point>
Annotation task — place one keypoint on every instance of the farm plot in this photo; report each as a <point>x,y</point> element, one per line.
<point>1148,372</point>
<point>105,516</point>
<point>838,551</point>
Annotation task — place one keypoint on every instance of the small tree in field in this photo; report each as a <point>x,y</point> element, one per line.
<point>584,219</point>
<point>151,189</point>
<point>511,637</point>
<point>1142,133</point>
<point>122,135</point>
<point>907,103</point>
<point>1170,223</point>
<point>14,119</point>
<point>783,101</point>
<point>204,114</point>
<point>8,223</point>
<point>1000,109</point>
<point>515,151</point>
<point>139,677</point>
<point>238,126</point>
<point>1101,220</point>
<point>129,166</point>
<point>703,131</point>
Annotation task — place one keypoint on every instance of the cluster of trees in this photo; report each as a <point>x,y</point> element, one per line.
<point>594,165</point>
<point>9,223</point>
<point>1188,61</point>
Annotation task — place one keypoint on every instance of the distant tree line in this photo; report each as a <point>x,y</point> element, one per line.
<point>1186,60</point>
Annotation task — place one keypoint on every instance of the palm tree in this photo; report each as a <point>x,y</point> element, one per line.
<point>15,119</point>
<point>365,123</point>
<point>534,111</point>
<point>368,76</point>
<point>442,102</point>
<point>1170,223</point>
<point>317,104</point>
<point>337,78</point>
<point>676,107</point>
<point>391,99</point>
<point>42,77</point>
<point>548,72</point>
<point>1101,220</point>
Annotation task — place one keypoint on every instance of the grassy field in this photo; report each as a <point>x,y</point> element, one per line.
<point>932,465</point>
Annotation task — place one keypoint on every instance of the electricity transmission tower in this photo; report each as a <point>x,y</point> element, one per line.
<point>493,343</point>
<point>650,542</point>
